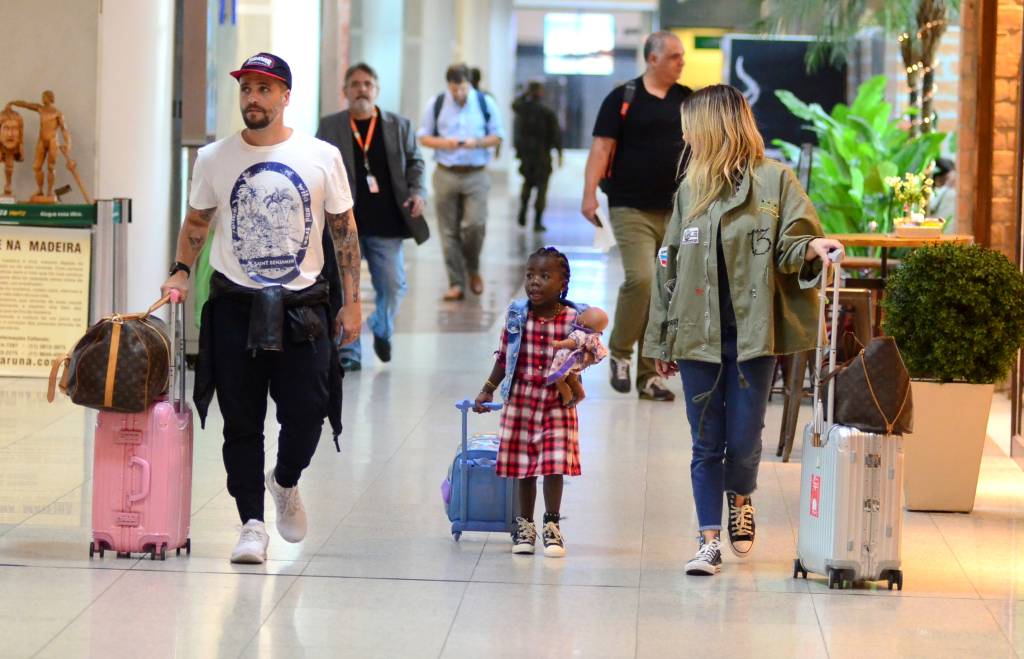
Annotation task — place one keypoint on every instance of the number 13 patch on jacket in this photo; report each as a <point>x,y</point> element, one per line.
<point>663,257</point>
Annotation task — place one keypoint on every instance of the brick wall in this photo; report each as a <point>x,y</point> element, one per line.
<point>1007,93</point>
<point>1004,131</point>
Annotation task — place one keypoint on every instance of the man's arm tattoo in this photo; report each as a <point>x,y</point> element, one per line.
<point>346,245</point>
<point>194,234</point>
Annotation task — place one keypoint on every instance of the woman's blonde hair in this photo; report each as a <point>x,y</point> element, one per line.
<point>723,141</point>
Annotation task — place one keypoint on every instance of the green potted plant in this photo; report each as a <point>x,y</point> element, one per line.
<point>957,314</point>
<point>859,146</point>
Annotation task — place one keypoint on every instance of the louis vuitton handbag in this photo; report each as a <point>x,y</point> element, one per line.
<point>873,390</point>
<point>120,365</point>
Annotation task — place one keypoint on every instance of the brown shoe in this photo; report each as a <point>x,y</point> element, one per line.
<point>453,294</point>
<point>476,283</point>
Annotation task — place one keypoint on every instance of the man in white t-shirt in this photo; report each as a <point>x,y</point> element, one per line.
<point>269,192</point>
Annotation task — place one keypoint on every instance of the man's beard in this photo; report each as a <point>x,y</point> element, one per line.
<point>262,121</point>
<point>362,106</point>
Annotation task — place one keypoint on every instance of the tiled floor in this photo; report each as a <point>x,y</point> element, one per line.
<point>379,574</point>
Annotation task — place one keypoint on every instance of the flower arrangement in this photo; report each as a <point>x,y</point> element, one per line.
<point>912,191</point>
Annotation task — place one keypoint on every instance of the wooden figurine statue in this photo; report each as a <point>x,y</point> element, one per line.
<point>12,144</point>
<point>50,121</point>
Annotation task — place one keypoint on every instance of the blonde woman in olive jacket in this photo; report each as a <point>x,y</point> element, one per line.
<point>733,289</point>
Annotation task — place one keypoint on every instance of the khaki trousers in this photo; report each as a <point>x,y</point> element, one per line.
<point>461,202</point>
<point>639,234</point>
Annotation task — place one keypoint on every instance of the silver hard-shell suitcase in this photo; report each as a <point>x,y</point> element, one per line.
<point>851,489</point>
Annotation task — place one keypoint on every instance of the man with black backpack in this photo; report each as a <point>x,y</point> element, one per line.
<point>635,156</point>
<point>461,125</point>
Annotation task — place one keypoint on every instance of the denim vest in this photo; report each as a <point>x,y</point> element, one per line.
<point>515,323</point>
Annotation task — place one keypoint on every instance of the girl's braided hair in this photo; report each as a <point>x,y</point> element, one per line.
<point>563,260</point>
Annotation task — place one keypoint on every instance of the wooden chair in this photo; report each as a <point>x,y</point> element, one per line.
<point>798,382</point>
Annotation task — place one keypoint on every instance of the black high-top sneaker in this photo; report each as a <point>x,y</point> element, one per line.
<point>707,560</point>
<point>741,525</point>
<point>524,536</point>
<point>554,545</point>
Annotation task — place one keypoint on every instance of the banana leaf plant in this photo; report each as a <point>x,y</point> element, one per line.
<point>859,145</point>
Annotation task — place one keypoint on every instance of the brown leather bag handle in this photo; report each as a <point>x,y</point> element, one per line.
<point>140,316</point>
<point>51,388</point>
<point>841,367</point>
<point>889,425</point>
<point>156,305</point>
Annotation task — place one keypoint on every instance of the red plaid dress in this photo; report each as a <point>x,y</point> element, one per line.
<point>539,435</point>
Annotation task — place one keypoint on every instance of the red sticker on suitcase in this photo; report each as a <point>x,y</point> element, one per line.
<point>815,494</point>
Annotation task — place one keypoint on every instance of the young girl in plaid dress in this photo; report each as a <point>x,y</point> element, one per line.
<point>539,434</point>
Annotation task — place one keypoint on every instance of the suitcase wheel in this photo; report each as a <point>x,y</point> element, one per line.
<point>798,569</point>
<point>92,551</point>
<point>188,546</point>
<point>162,553</point>
<point>456,535</point>
<point>835,578</point>
<point>895,578</point>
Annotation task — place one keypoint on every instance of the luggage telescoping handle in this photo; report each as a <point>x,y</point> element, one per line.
<point>177,362</point>
<point>465,406</point>
<point>834,259</point>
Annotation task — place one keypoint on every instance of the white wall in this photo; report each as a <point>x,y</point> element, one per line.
<point>377,36</point>
<point>487,39</point>
<point>429,47</point>
<point>294,35</point>
<point>133,156</point>
<point>51,44</point>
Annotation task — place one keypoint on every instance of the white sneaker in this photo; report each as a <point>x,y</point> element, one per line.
<point>291,515</point>
<point>252,544</point>
<point>708,559</point>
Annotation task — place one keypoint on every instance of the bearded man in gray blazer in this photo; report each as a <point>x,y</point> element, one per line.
<point>385,171</point>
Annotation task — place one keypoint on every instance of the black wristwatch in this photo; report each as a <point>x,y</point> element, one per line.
<point>178,265</point>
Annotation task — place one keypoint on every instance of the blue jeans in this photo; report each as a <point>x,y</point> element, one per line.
<point>726,414</point>
<point>387,273</point>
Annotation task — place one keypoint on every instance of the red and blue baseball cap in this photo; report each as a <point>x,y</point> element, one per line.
<point>268,65</point>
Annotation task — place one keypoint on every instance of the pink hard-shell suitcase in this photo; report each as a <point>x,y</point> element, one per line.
<point>142,470</point>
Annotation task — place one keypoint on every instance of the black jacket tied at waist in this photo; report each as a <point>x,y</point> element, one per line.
<point>273,312</point>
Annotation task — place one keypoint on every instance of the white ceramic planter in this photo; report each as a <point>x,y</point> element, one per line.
<point>943,454</point>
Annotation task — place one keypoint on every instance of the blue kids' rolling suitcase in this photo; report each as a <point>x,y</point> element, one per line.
<point>475,497</point>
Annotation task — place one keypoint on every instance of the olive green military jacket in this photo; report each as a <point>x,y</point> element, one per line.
<point>766,226</point>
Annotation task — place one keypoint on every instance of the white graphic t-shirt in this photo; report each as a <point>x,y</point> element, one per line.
<point>270,203</point>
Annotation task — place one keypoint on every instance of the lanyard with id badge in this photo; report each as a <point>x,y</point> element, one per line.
<point>371,180</point>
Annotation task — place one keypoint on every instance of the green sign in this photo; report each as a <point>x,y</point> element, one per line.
<point>48,215</point>
<point>707,43</point>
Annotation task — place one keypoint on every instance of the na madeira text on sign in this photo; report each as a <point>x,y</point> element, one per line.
<point>43,246</point>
